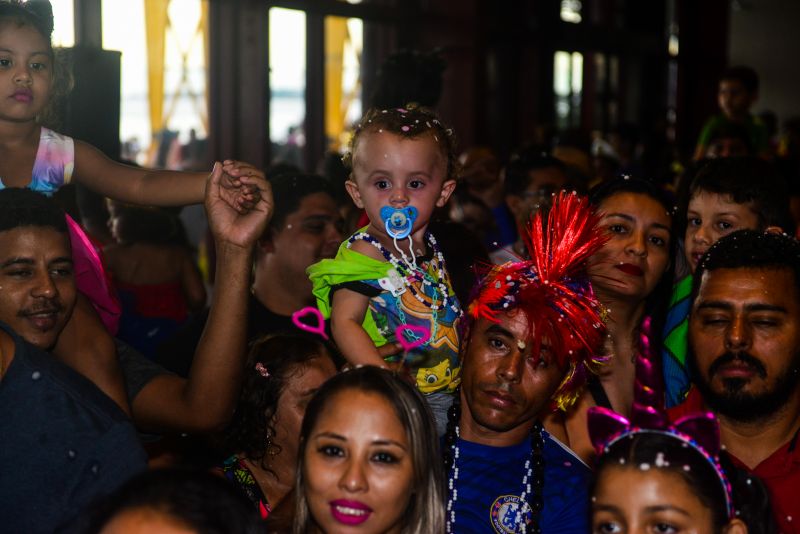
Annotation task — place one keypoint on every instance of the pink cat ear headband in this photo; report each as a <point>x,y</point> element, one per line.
<point>699,431</point>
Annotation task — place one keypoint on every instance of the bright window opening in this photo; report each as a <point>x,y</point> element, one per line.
<point>343,105</point>
<point>63,23</point>
<point>287,82</point>
<point>568,88</point>
<point>164,111</point>
<point>571,11</point>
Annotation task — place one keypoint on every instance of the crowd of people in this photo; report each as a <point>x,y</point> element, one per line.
<point>420,341</point>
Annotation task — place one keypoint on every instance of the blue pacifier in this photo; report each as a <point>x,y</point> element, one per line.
<point>399,221</point>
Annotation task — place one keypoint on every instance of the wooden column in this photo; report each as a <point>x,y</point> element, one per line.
<point>239,82</point>
<point>88,23</point>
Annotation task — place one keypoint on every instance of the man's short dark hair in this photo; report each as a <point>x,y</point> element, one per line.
<point>521,164</point>
<point>744,75</point>
<point>748,180</point>
<point>23,207</point>
<point>749,249</point>
<point>289,189</point>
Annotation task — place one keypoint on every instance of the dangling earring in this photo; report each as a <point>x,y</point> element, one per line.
<point>268,446</point>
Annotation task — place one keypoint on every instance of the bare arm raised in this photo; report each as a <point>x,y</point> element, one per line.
<point>206,400</point>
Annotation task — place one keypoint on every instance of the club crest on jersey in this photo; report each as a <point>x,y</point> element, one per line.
<point>505,514</point>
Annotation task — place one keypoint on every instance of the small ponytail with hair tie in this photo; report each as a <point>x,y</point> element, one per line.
<point>262,370</point>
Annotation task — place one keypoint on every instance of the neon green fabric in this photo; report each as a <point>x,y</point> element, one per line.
<point>348,266</point>
<point>675,348</point>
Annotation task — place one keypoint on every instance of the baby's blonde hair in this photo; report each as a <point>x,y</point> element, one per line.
<point>410,122</point>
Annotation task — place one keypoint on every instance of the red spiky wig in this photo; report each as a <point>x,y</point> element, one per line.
<point>553,291</point>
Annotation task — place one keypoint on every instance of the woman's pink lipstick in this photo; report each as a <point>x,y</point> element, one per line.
<point>631,269</point>
<point>350,512</point>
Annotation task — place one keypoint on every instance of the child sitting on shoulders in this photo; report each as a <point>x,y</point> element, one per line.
<point>388,283</point>
<point>738,91</point>
<point>35,157</point>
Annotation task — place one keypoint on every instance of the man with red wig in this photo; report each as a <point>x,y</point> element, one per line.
<point>528,349</point>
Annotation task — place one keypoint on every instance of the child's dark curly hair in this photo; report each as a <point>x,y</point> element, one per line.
<point>411,122</point>
<point>280,357</point>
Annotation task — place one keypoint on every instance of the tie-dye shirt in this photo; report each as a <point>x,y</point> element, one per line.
<point>55,162</point>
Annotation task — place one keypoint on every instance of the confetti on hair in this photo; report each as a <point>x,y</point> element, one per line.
<point>553,290</point>
<point>699,431</point>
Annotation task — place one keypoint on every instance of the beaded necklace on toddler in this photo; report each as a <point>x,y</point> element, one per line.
<point>411,273</point>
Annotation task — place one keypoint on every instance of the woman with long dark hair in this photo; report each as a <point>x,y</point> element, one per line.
<point>631,277</point>
<point>283,373</point>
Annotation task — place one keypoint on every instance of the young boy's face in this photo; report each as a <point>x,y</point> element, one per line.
<point>734,100</point>
<point>712,216</point>
<point>390,170</point>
